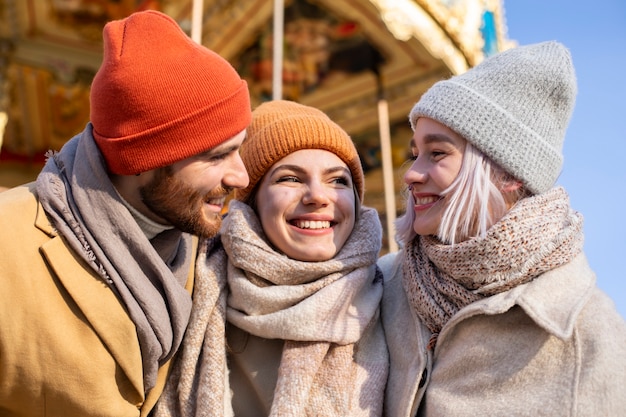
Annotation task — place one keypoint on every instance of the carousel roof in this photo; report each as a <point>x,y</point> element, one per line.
<point>342,56</point>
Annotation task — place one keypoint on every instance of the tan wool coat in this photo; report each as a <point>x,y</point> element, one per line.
<point>555,346</point>
<point>67,346</point>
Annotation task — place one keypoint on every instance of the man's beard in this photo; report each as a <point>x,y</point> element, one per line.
<point>180,204</point>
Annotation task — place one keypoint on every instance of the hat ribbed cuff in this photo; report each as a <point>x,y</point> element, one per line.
<point>185,137</point>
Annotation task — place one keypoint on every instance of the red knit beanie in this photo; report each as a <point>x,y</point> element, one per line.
<point>159,97</point>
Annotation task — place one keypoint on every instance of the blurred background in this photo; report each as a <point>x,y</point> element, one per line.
<point>595,146</point>
<point>363,62</point>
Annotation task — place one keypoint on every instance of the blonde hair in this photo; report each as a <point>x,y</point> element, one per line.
<point>474,201</point>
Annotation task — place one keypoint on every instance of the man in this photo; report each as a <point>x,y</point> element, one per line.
<point>97,256</point>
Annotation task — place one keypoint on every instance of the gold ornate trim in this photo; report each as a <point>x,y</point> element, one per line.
<point>449,29</point>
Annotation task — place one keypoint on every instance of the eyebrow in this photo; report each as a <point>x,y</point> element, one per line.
<point>301,170</point>
<point>438,137</point>
<point>219,151</point>
<point>432,138</point>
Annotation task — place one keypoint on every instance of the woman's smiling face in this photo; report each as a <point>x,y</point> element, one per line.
<point>307,204</point>
<point>437,157</point>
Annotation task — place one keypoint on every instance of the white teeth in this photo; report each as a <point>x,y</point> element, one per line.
<point>309,224</point>
<point>425,200</point>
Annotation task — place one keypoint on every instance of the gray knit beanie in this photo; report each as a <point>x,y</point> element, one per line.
<point>514,107</point>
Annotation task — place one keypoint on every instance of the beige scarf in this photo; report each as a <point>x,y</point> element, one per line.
<point>321,310</point>
<point>538,234</point>
<point>197,382</point>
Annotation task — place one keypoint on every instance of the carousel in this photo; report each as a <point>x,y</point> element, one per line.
<point>363,62</point>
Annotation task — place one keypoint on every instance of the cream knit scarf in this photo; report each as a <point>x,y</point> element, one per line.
<point>538,234</point>
<point>197,382</point>
<point>321,310</point>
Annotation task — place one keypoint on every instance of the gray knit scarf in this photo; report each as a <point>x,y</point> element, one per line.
<point>538,234</point>
<point>147,276</point>
<point>312,305</point>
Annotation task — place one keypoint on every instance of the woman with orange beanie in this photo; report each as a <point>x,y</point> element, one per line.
<point>299,258</point>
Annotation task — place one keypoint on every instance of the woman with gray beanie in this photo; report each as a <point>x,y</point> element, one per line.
<point>490,307</point>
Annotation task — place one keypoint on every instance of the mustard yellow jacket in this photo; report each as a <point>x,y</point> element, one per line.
<point>67,346</point>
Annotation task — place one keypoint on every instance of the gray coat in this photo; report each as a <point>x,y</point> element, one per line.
<point>555,346</point>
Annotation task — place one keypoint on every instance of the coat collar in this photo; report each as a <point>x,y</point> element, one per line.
<point>553,300</point>
<point>41,220</point>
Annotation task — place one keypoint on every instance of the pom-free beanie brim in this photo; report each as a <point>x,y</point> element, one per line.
<point>187,136</point>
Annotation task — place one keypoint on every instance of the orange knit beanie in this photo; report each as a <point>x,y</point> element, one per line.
<point>159,97</point>
<point>282,127</point>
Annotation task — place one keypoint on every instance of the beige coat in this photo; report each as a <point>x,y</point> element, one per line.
<point>67,346</point>
<point>553,347</point>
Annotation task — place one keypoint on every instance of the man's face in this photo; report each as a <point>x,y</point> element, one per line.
<point>190,194</point>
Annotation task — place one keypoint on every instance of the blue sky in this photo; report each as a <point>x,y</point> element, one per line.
<point>594,172</point>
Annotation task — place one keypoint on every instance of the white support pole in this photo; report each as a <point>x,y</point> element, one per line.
<point>277,66</point>
<point>196,20</point>
<point>390,194</point>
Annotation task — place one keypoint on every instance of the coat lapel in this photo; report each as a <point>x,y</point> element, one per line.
<point>101,308</point>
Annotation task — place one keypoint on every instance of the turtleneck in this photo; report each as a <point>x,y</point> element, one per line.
<point>148,226</point>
